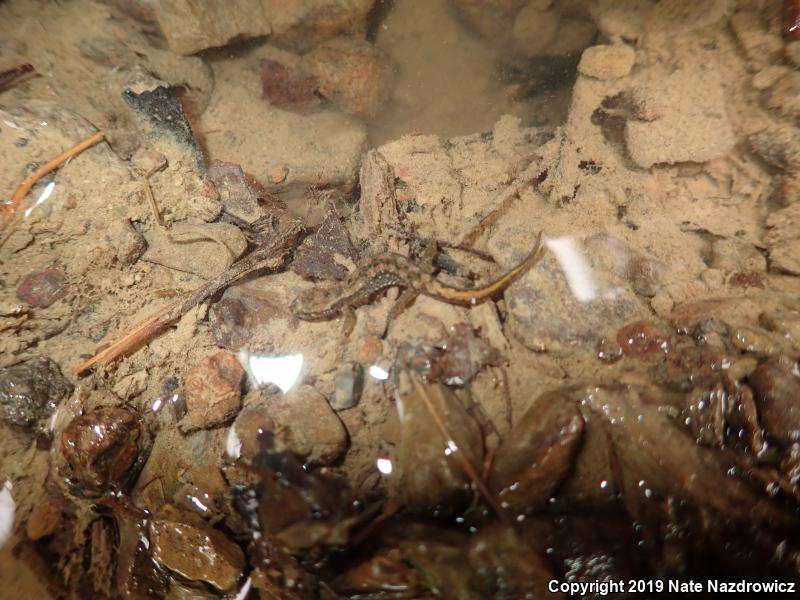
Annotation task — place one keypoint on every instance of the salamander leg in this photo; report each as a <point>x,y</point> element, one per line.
<point>405,300</point>
<point>427,261</point>
<point>348,320</point>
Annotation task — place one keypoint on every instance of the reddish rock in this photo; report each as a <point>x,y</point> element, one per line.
<point>642,338</point>
<point>42,289</point>
<point>101,447</point>
<point>213,390</point>
<point>288,87</point>
<point>353,73</point>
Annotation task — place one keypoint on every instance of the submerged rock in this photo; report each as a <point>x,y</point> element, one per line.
<point>782,239</point>
<point>191,27</point>
<point>430,470</point>
<point>354,74</point>
<point>43,288</point>
<point>213,391</point>
<point>536,455</point>
<point>776,388</point>
<point>30,391</point>
<point>301,422</point>
<point>348,385</point>
<point>545,314</point>
<point>187,545</point>
<point>101,448</point>
<point>237,194</point>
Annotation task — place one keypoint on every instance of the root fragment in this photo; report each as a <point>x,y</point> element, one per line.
<point>30,180</point>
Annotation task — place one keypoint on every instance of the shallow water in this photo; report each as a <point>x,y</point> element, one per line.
<point>384,301</point>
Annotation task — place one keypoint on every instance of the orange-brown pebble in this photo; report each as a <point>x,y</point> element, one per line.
<point>370,349</point>
<point>194,549</point>
<point>642,338</point>
<point>43,288</point>
<point>213,390</point>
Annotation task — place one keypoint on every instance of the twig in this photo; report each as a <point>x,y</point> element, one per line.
<point>531,173</point>
<point>270,255</point>
<point>151,199</point>
<point>7,77</point>
<point>468,467</point>
<point>31,179</point>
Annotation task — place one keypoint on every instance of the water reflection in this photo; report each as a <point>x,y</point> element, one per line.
<point>385,466</point>
<point>575,266</point>
<point>283,371</point>
<point>7,510</point>
<point>46,192</point>
<point>378,372</point>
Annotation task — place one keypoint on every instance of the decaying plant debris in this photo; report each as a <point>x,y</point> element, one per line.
<point>180,420</point>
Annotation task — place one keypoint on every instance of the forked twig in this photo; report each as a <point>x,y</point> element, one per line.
<point>466,465</point>
<point>270,255</point>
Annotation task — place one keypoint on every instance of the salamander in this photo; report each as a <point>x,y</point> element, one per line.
<point>393,270</point>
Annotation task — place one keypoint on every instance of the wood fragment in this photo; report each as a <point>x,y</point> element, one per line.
<point>466,465</point>
<point>532,172</point>
<point>270,255</point>
<point>151,200</point>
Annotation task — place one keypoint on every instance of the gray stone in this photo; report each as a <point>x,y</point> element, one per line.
<point>544,314</point>
<point>305,424</point>
<point>348,385</point>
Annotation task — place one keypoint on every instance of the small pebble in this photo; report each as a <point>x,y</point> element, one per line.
<point>248,426</point>
<point>213,390</point>
<point>348,385</point>
<point>43,288</point>
<point>736,255</point>
<point>646,275</point>
<point>237,195</point>
<point>369,349</point>
<point>643,338</point>
<point>607,61</point>
<point>786,323</point>
<point>534,30</point>
<point>128,243</point>
<point>355,74</point>
<point>30,391</point>
<point>147,161</point>
<point>307,425</point>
